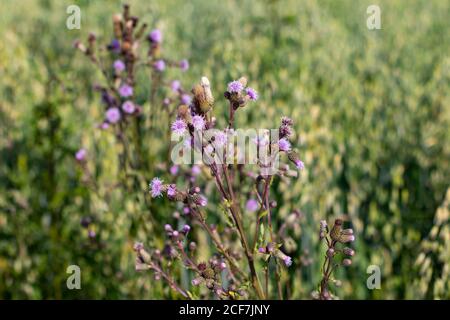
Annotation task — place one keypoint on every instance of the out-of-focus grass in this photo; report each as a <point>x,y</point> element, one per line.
<point>371,110</point>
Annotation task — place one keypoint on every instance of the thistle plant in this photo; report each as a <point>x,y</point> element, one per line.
<point>334,238</point>
<point>119,61</point>
<point>194,122</point>
<point>224,194</point>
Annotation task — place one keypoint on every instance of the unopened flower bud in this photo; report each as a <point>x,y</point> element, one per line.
<point>330,252</point>
<point>346,262</point>
<point>186,229</point>
<point>349,252</point>
<point>197,281</point>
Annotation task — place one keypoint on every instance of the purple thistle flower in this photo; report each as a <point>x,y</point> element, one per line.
<point>125,90</point>
<point>114,46</point>
<point>201,201</point>
<point>175,85</point>
<point>128,107</point>
<point>168,228</point>
<point>285,131</point>
<point>156,187</point>
<point>113,115</point>
<point>287,261</point>
<point>220,139</point>
<point>119,66</point>
<point>235,86</point>
<point>252,94</point>
<point>197,281</point>
<point>155,36</point>
<point>186,229</point>
<point>300,165</point>
<point>174,170</point>
<point>184,65</point>
<point>186,210</point>
<point>286,121</point>
<point>262,250</point>
<point>159,65</point>
<point>198,122</point>
<point>171,191</point>
<point>80,155</point>
<point>185,99</point>
<point>284,144</point>
<point>104,125</point>
<point>179,127</point>
<point>251,205</point>
<point>196,170</point>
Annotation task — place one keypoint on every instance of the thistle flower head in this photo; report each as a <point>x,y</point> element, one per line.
<point>286,121</point>
<point>299,164</point>
<point>251,205</point>
<point>220,139</point>
<point>128,107</point>
<point>346,262</point>
<point>113,115</point>
<point>349,252</point>
<point>125,90</point>
<point>196,170</point>
<point>155,36</point>
<point>171,191</point>
<point>253,95</point>
<point>175,85</point>
<point>199,200</point>
<point>198,122</point>
<point>168,228</point>
<point>114,46</point>
<point>235,86</point>
<point>284,144</point>
<point>156,187</point>
<point>197,281</point>
<point>285,131</point>
<point>186,229</point>
<point>283,257</point>
<point>184,65</point>
<point>159,65</point>
<point>287,261</point>
<point>119,66</point>
<point>174,169</point>
<point>185,99</point>
<point>179,127</point>
<point>80,155</point>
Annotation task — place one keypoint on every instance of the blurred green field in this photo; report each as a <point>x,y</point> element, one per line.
<point>371,111</point>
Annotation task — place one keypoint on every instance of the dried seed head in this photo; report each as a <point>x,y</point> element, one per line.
<point>208,273</point>
<point>243,81</point>
<point>203,99</point>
